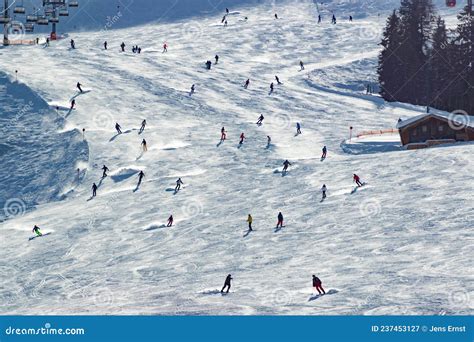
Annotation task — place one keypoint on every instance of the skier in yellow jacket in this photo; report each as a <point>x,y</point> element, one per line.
<point>250,220</point>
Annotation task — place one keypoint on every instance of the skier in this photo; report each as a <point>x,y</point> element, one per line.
<point>269,140</point>
<point>227,283</point>
<point>271,87</point>
<point>260,120</point>
<point>78,85</point>
<point>225,23</point>
<point>36,230</point>
<point>94,190</point>
<point>217,59</point>
<point>301,65</point>
<point>276,16</point>
<point>357,180</point>
<point>325,151</point>
<point>141,175</point>
<point>323,190</point>
<point>165,47</point>
<point>134,49</point>
<point>277,79</point>
<point>73,44</point>
<point>118,128</point>
<point>319,18</point>
<point>250,220</point>
<point>318,285</point>
<point>286,163</point>
<point>192,90</point>
<point>350,18</point>
<point>247,83</point>
<point>223,19</point>
<point>105,45</point>
<point>47,41</point>
<point>104,169</point>
<point>298,128</point>
<point>223,134</point>
<point>142,128</point>
<point>226,10</point>
<point>280,220</point>
<point>208,65</point>
<point>333,19</point>
<point>122,46</point>
<point>242,137</point>
<point>145,148</point>
<point>139,50</point>
<point>178,185</point>
<point>170,221</point>
<point>73,103</point>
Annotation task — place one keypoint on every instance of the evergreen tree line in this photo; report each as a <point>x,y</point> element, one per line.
<point>424,63</point>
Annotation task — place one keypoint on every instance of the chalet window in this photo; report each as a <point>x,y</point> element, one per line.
<point>424,129</point>
<point>413,133</point>
<point>441,128</point>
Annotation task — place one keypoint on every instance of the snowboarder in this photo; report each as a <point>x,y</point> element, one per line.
<point>223,134</point>
<point>276,16</point>
<point>286,163</point>
<point>323,190</point>
<point>192,90</point>
<point>105,45</point>
<point>94,190</point>
<point>178,185</point>
<point>122,46</point>
<point>317,284</point>
<point>325,151</point>
<point>104,169</point>
<point>319,18</point>
<point>357,180</point>
<point>250,220</point>
<point>227,283</point>
<point>216,58</point>
<point>142,128</point>
<point>247,83</point>
<point>141,175</point>
<point>333,19</point>
<point>37,231</point>
<point>144,147</point>
<point>242,137</point>
<point>73,104</point>
<point>298,128</point>
<point>208,65</point>
<point>271,87</point>
<point>78,85</point>
<point>301,65</point>
<point>277,79</point>
<point>280,220</point>
<point>260,120</point>
<point>170,221</point>
<point>73,44</point>
<point>118,128</point>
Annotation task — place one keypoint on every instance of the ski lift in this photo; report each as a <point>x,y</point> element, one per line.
<point>63,12</point>
<point>16,26</point>
<point>29,27</point>
<point>4,20</point>
<point>54,20</point>
<point>43,21</point>
<point>48,11</point>
<point>19,9</point>
<point>74,3</point>
<point>451,3</point>
<point>32,18</point>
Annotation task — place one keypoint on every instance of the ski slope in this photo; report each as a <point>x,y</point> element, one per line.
<point>402,244</point>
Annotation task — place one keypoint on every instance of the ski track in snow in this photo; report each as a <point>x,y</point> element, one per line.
<point>399,245</point>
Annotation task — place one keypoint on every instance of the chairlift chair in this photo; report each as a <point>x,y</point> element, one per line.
<point>73,3</point>
<point>43,21</point>
<point>19,9</point>
<point>32,18</point>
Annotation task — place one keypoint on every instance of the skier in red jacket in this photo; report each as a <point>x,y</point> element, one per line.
<point>242,137</point>
<point>357,180</point>
<point>318,285</point>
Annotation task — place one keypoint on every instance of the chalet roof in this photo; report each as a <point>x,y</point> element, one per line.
<point>459,119</point>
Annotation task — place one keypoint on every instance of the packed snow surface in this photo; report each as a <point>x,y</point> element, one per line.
<point>401,244</point>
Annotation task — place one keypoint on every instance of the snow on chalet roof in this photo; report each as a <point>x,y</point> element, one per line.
<point>460,118</point>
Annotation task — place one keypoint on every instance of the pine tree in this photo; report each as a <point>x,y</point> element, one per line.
<point>389,63</point>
